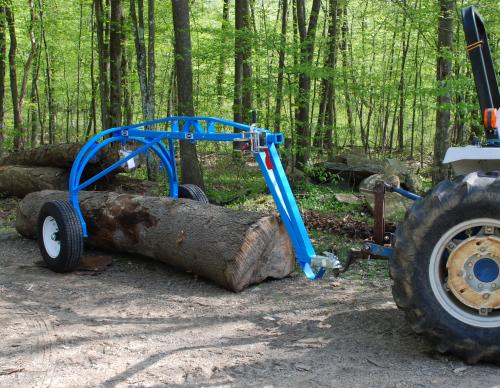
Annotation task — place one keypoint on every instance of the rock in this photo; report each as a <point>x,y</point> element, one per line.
<point>370,182</point>
<point>349,198</point>
<point>409,180</point>
<point>353,168</point>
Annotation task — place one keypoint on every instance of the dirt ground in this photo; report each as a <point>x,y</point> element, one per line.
<point>141,323</point>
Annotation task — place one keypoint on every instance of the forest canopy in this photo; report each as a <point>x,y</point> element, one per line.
<point>328,74</point>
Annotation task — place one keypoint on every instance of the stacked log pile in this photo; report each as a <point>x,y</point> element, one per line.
<point>48,167</point>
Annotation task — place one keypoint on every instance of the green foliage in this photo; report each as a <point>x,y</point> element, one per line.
<point>230,181</point>
<point>368,74</point>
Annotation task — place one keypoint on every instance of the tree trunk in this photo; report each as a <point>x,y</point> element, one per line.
<point>232,248</point>
<point>146,69</point>
<point>442,139</point>
<point>222,56</point>
<point>281,66</point>
<point>326,116</point>
<point>18,121</point>
<point>190,167</point>
<point>78,72</point>
<point>307,38</point>
<point>115,61</point>
<point>128,112</point>
<point>103,51</point>
<point>48,76</point>
<point>402,80</point>
<point>242,105</point>
<point>137,18</point>
<point>2,77</point>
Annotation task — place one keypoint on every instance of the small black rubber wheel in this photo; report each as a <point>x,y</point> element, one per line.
<point>60,236</point>
<point>193,192</point>
<point>446,267</point>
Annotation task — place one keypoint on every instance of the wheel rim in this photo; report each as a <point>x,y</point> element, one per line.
<point>464,272</point>
<point>50,233</point>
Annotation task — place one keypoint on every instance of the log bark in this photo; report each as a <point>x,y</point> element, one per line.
<point>232,248</point>
<point>19,181</point>
<point>54,155</point>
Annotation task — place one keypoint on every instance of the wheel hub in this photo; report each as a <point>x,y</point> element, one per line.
<point>50,234</point>
<point>474,272</point>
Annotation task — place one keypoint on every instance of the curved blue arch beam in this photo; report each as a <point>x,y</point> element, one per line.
<point>262,144</point>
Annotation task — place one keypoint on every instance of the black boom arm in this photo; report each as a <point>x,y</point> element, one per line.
<point>482,67</point>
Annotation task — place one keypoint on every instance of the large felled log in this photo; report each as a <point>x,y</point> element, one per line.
<point>20,180</point>
<point>232,248</point>
<point>63,155</point>
<point>49,155</point>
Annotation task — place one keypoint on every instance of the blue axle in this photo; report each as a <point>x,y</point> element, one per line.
<point>262,144</point>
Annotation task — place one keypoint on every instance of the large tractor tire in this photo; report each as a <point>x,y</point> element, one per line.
<point>446,267</point>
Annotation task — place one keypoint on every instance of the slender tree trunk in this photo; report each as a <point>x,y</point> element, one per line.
<point>242,69</point>
<point>401,86</point>
<point>18,121</point>
<point>326,116</point>
<point>125,78</point>
<point>102,25</point>
<point>51,104</point>
<point>222,56</point>
<point>281,65</point>
<point>137,18</point>
<point>146,68</point>
<point>190,168</point>
<point>78,72</point>
<point>93,109</point>
<point>115,61</point>
<point>2,76</point>
<point>442,139</point>
<point>343,49</point>
<point>151,59</point>
<point>307,39</point>
<point>415,85</point>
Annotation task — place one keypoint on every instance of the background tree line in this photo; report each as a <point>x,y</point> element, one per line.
<point>390,77</point>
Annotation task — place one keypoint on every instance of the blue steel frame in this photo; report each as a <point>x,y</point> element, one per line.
<point>190,128</point>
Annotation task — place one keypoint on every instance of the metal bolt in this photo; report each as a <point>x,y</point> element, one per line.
<point>469,277</point>
<point>460,273</point>
<point>494,285</point>
<point>53,237</point>
<point>482,249</point>
<point>469,264</point>
<point>489,230</point>
<point>486,296</point>
<point>480,285</point>
<point>451,245</point>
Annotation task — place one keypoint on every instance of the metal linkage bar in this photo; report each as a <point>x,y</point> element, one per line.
<point>262,144</point>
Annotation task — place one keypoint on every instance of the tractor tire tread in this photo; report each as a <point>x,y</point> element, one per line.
<point>477,195</point>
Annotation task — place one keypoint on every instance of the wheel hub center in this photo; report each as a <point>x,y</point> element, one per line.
<point>474,272</point>
<point>486,270</point>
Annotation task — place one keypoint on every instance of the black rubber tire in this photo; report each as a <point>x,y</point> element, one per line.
<point>193,192</point>
<point>70,236</point>
<point>476,195</point>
